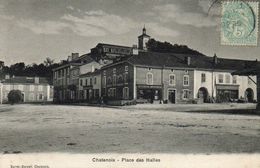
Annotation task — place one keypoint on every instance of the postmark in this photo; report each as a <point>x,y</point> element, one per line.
<point>239,23</point>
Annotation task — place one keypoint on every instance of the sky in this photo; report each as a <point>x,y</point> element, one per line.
<point>32,30</point>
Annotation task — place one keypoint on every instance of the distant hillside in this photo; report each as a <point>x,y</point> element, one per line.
<point>166,47</point>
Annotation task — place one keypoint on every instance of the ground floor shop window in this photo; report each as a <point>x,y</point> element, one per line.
<point>227,95</point>
<point>149,94</point>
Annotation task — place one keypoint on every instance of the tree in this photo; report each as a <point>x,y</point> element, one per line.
<point>166,47</point>
<point>14,96</point>
<point>48,62</point>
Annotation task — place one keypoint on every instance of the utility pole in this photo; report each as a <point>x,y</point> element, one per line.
<point>1,93</point>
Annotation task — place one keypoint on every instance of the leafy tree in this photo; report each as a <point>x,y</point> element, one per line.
<point>48,62</point>
<point>14,96</point>
<point>166,47</point>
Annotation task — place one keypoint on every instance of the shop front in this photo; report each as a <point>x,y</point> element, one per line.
<point>227,93</point>
<point>149,93</point>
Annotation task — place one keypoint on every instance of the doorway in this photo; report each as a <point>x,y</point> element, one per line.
<point>172,96</point>
<point>203,94</point>
<point>249,95</point>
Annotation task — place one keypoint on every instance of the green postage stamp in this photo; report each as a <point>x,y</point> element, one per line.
<point>239,23</point>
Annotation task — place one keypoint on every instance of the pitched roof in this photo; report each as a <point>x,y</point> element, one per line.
<point>255,70</point>
<point>179,61</point>
<point>97,71</point>
<point>112,45</point>
<point>26,80</point>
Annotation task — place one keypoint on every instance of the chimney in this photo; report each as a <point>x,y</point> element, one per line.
<point>215,59</point>
<point>135,50</point>
<point>36,80</point>
<point>74,56</point>
<point>69,58</point>
<point>188,60</point>
<point>7,76</point>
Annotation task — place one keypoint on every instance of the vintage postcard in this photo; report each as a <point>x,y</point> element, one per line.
<point>129,84</point>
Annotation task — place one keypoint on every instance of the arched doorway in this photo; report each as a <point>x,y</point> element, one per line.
<point>203,94</point>
<point>249,95</point>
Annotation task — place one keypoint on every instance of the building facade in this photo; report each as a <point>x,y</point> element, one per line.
<point>90,87</point>
<point>127,75</point>
<point>34,89</point>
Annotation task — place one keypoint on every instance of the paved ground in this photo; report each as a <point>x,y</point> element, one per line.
<point>142,129</point>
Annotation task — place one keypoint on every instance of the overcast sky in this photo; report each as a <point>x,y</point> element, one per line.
<point>32,30</point>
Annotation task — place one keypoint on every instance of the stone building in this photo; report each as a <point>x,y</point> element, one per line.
<point>34,89</point>
<point>131,74</point>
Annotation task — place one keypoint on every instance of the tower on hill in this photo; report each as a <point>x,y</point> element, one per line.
<point>142,40</point>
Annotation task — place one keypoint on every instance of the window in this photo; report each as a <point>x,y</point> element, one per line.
<point>149,69</point>
<point>203,77</point>
<point>90,80</point>
<point>220,78</point>
<point>172,79</point>
<point>125,92</point>
<point>86,82</point>
<point>249,81</point>
<point>112,92</point>
<point>114,79</point>
<point>126,77</point>
<point>81,82</point>
<point>40,97</point>
<point>149,78</point>
<point>31,87</point>
<point>126,68</point>
<point>227,76</point>
<point>106,49</point>
<point>234,79</point>
<point>120,79</point>
<point>40,88</point>
<point>31,96</point>
<point>15,87</point>
<point>20,87</point>
<point>104,80</point>
<point>65,73</point>
<point>95,80</point>
<point>186,94</point>
<point>109,81</point>
<point>7,87</point>
<point>185,80</point>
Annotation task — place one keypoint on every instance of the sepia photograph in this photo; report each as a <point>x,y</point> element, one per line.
<point>112,82</point>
